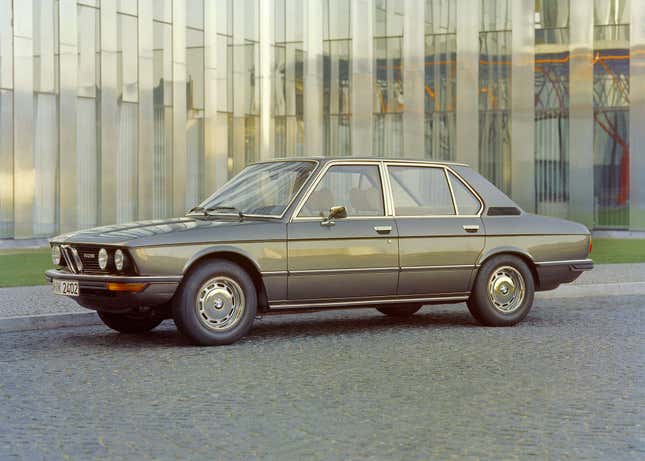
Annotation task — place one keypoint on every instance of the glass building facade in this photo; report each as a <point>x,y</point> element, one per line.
<point>120,110</point>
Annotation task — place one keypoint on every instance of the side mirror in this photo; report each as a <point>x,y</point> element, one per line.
<point>335,212</point>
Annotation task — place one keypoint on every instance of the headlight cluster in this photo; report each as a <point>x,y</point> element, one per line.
<point>103,259</point>
<point>107,259</point>
<point>56,255</point>
<point>119,259</point>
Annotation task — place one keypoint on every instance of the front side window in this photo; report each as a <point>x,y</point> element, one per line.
<point>261,189</point>
<point>420,191</point>
<point>356,187</point>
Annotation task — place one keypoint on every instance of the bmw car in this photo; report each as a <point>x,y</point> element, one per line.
<point>306,234</point>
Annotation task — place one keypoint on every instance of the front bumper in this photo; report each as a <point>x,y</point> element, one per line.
<point>94,292</point>
<point>553,273</point>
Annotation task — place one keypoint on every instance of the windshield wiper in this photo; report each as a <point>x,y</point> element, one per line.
<point>226,208</point>
<point>212,211</point>
<point>198,209</point>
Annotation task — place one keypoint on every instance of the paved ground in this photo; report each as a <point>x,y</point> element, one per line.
<point>40,300</point>
<point>568,383</point>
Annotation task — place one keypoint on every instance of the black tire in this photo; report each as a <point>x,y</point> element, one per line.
<point>490,309</point>
<point>202,327</point>
<point>400,310</point>
<point>130,323</point>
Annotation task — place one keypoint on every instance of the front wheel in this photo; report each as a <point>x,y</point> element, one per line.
<point>399,310</point>
<point>503,292</point>
<point>216,304</point>
<point>129,323</point>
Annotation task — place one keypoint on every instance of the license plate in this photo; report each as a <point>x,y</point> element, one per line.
<point>65,287</point>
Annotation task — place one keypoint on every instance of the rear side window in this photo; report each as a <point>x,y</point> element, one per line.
<point>467,203</point>
<point>420,191</point>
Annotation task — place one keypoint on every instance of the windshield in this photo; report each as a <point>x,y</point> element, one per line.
<point>261,189</point>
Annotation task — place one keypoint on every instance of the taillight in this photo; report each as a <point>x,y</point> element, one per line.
<point>590,244</point>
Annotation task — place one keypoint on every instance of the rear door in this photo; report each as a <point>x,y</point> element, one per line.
<point>440,231</point>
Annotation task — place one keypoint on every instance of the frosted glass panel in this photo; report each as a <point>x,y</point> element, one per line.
<point>88,51</point>
<point>6,163</point>
<point>126,163</point>
<point>6,44</point>
<point>45,163</point>
<point>87,162</point>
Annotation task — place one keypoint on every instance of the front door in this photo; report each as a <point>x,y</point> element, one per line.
<point>352,257</point>
<point>440,232</point>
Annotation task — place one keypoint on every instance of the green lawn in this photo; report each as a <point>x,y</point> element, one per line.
<point>611,251</point>
<point>27,267</point>
<point>24,267</point>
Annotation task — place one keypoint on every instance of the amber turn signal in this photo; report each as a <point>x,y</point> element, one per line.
<point>131,287</point>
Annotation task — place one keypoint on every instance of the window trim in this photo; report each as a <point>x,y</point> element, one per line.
<point>472,191</point>
<point>321,174</point>
<point>446,169</point>
<point>386,189</point>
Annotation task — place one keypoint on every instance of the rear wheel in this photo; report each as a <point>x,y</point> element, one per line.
<point>216,304</point>
<point>400,310</point>
<point>130,323</point>
<point>503,291</point>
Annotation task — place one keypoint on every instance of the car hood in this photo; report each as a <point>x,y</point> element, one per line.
<point>184,230</point>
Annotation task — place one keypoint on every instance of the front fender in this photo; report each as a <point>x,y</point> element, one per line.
<point>230,249</point>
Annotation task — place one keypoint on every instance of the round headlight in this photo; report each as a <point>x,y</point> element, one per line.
<point>56,255</point>
<point>103,259</point>
<point>119,260</point>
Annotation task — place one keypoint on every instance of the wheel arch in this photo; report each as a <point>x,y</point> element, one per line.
<point>236,256</point>
<point>513,251</point>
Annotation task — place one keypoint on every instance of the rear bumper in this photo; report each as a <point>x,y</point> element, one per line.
<point>94,292</point>
<point>553,273</point>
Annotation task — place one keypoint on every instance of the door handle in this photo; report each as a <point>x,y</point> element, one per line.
<point>472,228</point>
<point>383,229</point>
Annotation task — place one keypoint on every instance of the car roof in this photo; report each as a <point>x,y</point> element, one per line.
<point>323,159</point>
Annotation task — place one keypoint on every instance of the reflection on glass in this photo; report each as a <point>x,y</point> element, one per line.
<point>420,191</point>
<point>45,125</point>
<point>611,113</point>
<point>127,117</point>
<point>195,100</point>
<point>288,68</point>
<point>127,58</point>
<point>495,93</point>
<point>87,116</point>
<point>357,58</point>
<point>337,47</point>
<point>260,189</point>
<point>6,163</point>
<point>552,107</point>
<point>244,85</point>
<point>162,109</point>
<point>6,45</point>
<point>440,79</point>
<point>388,78</point>
<point>356,187</point>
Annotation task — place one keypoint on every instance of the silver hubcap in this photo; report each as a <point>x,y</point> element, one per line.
<point>220,303</point>
<point>506,289</point>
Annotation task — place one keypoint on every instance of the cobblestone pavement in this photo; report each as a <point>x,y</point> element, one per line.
<point>567,383</point>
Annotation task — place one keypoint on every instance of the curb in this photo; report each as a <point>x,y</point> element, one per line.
<point>48,321</point>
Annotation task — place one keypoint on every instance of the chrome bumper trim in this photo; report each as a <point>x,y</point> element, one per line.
<point>64,275</point>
